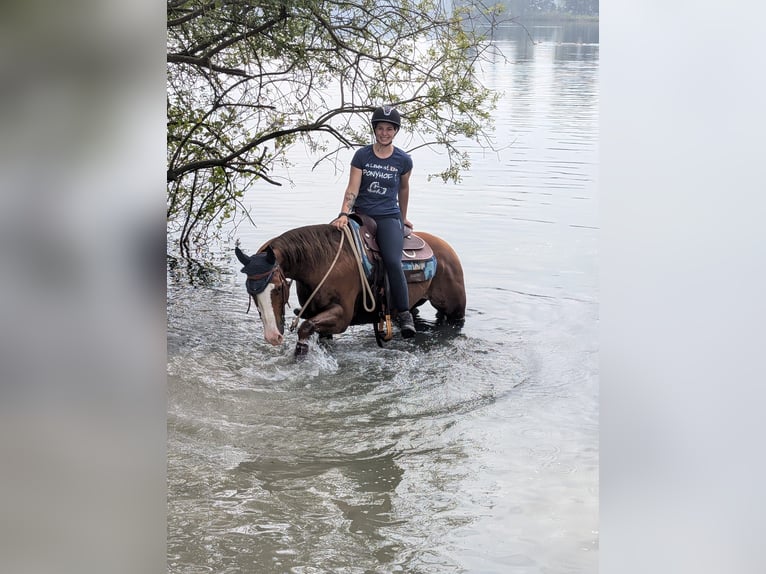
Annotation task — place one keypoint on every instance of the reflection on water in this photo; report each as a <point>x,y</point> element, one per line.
<point>572,40</point>
<point>459,451</point>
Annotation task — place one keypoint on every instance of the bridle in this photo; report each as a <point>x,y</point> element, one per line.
<point>267,275</point>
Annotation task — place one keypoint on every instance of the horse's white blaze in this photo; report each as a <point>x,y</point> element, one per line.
<point>270,330</point>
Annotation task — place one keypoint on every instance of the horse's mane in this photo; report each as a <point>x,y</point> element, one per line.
<point>312,246</point>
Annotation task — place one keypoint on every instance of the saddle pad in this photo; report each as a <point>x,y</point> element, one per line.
<point>419,265</point>
<point>417,271</point>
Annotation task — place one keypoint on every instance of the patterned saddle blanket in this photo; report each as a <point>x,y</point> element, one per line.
<point>418,259</point>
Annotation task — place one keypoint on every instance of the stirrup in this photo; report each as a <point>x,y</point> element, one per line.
<point>385,327</point>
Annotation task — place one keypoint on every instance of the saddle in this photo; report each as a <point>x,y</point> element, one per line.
<point>418,260</point>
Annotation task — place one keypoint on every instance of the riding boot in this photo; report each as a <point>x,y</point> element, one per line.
<point>406,324</point>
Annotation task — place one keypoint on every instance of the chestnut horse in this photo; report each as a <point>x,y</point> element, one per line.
<point>313,255</point>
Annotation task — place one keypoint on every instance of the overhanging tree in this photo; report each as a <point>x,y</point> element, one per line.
<point>246,80</point>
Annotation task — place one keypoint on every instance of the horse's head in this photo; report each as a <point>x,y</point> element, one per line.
<point>268,287</point>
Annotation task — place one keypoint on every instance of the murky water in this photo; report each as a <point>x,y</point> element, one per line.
<point>472,451</point>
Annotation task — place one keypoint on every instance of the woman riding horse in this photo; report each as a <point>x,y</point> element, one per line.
<point>379,187</point>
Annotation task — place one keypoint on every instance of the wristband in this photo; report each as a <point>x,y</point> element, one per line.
<point>343,213</point>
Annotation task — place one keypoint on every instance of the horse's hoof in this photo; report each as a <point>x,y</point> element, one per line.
<point>301,349</point>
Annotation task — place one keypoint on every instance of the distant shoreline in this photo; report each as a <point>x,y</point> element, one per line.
<point>555,17</point>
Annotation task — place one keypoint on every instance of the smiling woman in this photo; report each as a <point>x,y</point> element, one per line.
<point>379,188</point>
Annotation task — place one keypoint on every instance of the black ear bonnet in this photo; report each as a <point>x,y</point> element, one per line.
<point>259,268</point>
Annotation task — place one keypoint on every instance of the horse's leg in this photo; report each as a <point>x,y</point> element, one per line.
<point>447,298</point>
<point>455,318</point>
<point>450,310</point>
<point>447,294</point>
<point>327,323</point>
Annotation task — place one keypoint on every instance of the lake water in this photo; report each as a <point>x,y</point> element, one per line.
<point>470,452</point>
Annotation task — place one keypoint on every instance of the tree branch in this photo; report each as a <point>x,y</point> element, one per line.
<point>181,59</point>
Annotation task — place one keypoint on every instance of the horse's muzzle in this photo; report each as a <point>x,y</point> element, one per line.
<point>274,337</point>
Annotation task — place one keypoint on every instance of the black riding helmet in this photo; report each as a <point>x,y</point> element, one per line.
<point>386,114</point>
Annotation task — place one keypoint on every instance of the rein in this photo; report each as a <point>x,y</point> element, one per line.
<point>267,274</point>
<point>366,289</point>
<point>367,294</point>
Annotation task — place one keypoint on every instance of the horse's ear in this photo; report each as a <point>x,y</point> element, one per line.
<point>244,259</point>
<point>270,257</point>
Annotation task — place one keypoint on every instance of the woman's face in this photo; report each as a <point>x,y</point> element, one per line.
<point>385,132</point>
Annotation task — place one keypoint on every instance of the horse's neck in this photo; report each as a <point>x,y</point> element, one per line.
<point>295,263</point>
<point>290,265</point>
<point>306,253</point>
<point>301,275</point>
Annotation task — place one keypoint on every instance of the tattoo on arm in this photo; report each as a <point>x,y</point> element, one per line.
<point>349,200</point>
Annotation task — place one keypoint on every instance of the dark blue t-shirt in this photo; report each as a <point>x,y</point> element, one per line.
<point>379,190</point>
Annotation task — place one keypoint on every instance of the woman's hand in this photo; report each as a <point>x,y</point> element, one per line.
<point>340,222</point>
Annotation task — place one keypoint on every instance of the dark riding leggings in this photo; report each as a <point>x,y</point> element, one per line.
<point>390,239</point>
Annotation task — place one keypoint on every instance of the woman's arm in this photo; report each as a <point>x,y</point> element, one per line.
<point>404,196</point>
<point>349,197</point>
